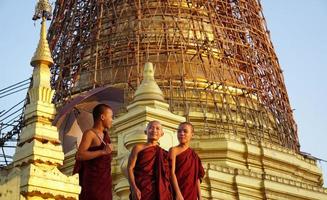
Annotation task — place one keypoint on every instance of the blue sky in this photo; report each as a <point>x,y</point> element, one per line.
<point>298,30</point>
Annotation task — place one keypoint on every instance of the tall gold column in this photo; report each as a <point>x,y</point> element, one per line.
<point>34,173</point>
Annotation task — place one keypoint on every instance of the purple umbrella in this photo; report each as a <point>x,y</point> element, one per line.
<point>76,116</point>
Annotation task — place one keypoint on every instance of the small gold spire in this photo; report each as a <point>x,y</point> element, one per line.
<point>42,53</point>
<point>149,89</point>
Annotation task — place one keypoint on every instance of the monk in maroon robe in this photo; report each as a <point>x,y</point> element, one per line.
<point>93,158</point>
<point>148,168</point>
<point>186,168</point>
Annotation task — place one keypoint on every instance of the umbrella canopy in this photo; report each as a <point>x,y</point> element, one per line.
<point>75,117</point>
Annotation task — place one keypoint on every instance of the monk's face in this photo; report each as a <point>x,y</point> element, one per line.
<point>106,118</point>
<point>184,133</point>
<point>154,131</point>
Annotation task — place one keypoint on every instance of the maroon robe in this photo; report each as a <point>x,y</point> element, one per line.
<point>95,175</point>
<point>188,171</point>
<point>152,174</point>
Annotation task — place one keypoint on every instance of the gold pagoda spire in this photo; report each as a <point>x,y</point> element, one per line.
<point>35,170</point>
<point>40,111</point>
<point>149,89</point>
<point>42,53</point>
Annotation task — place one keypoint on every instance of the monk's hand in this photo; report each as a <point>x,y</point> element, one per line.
<point>136,193</point>
<point>107,149</point>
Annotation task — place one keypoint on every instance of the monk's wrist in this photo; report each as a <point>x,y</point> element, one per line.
<point>103,152</point>
<point>134,188</point>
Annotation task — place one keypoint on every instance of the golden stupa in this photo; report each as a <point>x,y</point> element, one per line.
<point>208,62</point>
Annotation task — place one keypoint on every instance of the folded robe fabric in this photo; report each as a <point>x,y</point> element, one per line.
<point>188,170</point>
<point>152,174</point>
<point>95,175</point>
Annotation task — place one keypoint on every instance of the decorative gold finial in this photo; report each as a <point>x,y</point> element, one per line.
<point>43,9</point>
<point>42,53</point>
<point>149,89</point>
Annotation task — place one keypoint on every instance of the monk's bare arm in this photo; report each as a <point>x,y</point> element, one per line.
<point>172,156</point>
<point>136,194</point>
<point>83,153</point>
<point>199,189</point>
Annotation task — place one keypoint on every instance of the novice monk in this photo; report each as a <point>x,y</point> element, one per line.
<point>148,168</point>
<point>186,168</point>
<point>93,159</point>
